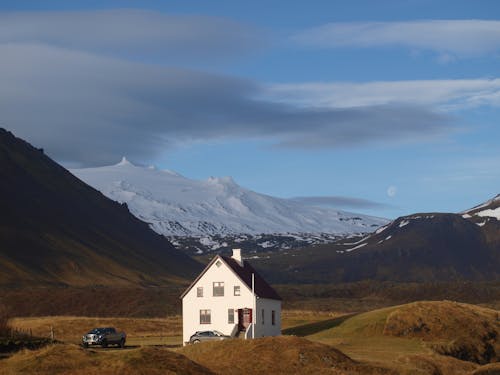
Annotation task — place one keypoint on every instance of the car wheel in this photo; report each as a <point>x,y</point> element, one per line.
<point>196,341</point>
<point>122,343</point>
<point>104,344</point>
<point>85,344</point>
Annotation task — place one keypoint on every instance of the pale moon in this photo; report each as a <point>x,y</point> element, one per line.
<point>391,191</point>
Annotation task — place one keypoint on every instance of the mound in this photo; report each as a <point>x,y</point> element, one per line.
<point>466,332</point>
<point>70,359</point>
<point>470,332</point>
<point>276,355</point>
<point>491,369</point>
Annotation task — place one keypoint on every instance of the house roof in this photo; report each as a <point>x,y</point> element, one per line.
<point>262,288</point>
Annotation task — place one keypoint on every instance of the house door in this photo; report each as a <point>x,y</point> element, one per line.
<point>244,318</point>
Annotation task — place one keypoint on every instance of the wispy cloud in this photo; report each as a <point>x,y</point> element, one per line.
<point>139,34</point>
<point>91,110</point>
<point>342,202</point>
<point>443,94</point>
<point>448,38</point>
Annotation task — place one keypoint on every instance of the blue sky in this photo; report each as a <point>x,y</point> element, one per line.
<point>393,102</point>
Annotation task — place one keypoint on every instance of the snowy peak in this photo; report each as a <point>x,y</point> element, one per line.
<point>124,162</point>
<point>174,205</point>
<point>488,209</point>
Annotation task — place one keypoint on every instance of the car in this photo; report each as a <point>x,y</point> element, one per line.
<point>104,337</point>
<point>201,336</point>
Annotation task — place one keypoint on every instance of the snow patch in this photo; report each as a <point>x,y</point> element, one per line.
<point>356,247</point>
<point>404,223</point>
<point>490,213</point>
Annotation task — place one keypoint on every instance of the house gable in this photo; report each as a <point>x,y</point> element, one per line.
<point>244,274</point>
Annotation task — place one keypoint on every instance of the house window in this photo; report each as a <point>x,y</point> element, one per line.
<point>237,290</point>
<point>262,316</point>
<point>205,317</point>
<point>218,263</point>
<point>199,291</point>
<point>230,316</point>
<point>273,317</point>
<point>218,289</point>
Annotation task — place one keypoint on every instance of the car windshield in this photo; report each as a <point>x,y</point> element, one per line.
<point>97,331</point>
<point>217,333</point>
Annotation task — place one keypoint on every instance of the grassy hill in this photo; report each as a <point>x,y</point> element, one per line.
<point>466,332</point>
<point>56,230</point>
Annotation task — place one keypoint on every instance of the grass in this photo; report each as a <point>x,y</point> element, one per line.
<point>146,331</point>
<point>140,331</point>
<point>71,359</point>
<point>404,339</point>
<point>276,355</point>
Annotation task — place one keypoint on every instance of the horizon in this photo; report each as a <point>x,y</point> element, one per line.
<point>388,109</point>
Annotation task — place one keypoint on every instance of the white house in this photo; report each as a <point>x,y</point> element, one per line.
<point>221,299</point>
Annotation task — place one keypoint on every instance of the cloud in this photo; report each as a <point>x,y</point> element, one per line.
<point>90,110</point>
<point>444,94</point>
<point>449,38</point>
<point>138,34</point>
<point>341,202</point>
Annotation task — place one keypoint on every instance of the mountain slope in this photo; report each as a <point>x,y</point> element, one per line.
<point>424,247</point>
<point>176,205</point>
<point>55,229</point>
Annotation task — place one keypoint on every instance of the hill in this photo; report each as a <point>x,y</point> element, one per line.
<point>276,355</point>
<point>56,230</point>
<point>71,359</point>
<point>424,247</point>
<point>466,332</point>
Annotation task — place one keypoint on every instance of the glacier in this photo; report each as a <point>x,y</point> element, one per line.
<point>174,205</point>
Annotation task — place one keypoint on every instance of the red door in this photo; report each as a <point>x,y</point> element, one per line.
<point>244,318</point>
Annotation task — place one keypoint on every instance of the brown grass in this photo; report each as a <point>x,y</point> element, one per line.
<point>70,329</point>
<point>70,359</point>
<point>491,369</point>
<point>463,331</point>
<point>143,331</point>
<point>276,355</point>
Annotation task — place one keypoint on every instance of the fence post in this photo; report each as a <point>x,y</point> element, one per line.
<point>52,333</point>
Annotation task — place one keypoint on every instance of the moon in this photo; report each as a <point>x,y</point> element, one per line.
<point>392,191</point>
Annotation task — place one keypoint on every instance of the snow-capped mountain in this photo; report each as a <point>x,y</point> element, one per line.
<point>174,205</point>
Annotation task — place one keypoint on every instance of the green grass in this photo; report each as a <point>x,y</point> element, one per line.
<point>360,336</point>
<point>307,328</point>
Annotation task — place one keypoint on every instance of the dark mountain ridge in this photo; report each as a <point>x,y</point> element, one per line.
<point>424,247</point>
<point>56,230</point>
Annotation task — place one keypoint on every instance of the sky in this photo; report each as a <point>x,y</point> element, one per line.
<point>385,108</point>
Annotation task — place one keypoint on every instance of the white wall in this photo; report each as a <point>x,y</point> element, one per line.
<point>191,304</point>
<point>266,328</point>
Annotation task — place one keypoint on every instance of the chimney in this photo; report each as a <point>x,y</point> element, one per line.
<point>237,256</point>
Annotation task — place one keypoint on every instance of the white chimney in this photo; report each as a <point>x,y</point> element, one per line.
<point>237,256</point>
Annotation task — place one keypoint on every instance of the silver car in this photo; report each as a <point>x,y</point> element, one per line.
<point>202,336</point>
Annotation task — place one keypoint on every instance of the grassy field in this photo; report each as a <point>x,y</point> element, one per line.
<point>420,338</point>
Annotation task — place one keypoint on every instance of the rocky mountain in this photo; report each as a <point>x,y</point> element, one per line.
<point>217,210</point>
<point>423,247</point>
<point>56,230</point>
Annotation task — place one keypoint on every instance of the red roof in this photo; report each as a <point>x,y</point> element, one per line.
<point>262,288</point>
